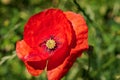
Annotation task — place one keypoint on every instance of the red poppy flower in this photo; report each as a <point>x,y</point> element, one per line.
<point>53,39</point>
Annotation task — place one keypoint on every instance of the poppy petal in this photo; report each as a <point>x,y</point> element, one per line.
<point>22,49</point>
<point>31,70</point>
<point>81,31</point>
<point>34,61</point>
<point>58,72</point>
<point>46,24</point>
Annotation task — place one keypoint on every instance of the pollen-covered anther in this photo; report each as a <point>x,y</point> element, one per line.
<point>50,44</point>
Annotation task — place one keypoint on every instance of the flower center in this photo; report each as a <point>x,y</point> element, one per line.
<point>50,44</point>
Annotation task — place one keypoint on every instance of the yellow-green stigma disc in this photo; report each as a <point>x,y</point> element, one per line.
<point>50,44</point>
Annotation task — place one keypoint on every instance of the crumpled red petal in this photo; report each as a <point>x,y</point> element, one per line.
<point>80,28</point>
<point>60,71</point>
<point>33,71</point>
<point>22,49</point>
<point>45,24</point>
<point>34,61</point>
<point>81,31</point>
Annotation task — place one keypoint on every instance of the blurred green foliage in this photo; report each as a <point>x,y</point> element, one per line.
<point>104,34</point>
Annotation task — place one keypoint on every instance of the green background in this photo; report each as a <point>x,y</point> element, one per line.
<point>103,19</point>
